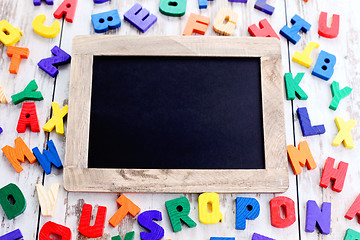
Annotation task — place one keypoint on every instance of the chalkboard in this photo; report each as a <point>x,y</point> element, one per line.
<point>175,114</point>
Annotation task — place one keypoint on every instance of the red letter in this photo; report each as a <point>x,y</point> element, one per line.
<point>354,209</point>
<point>324,30</point>
<point>127,206</point>
<point>265,30</point>
<point>97,229</point>
<point>16,54</point>
<point>28,117</point>
<point>288,205</point>
<point>68,7</point>
<point>54,228</point>
<point>337,175</point>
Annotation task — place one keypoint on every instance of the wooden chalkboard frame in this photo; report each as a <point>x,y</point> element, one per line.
<point>77,175</point>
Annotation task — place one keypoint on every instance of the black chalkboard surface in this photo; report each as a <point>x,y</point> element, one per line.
<point>158,112</point>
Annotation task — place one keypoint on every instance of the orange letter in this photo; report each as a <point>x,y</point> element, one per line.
<point>196,23</point>
<point>16,54</point>
<point>298,158</point>
<point>127,206</point>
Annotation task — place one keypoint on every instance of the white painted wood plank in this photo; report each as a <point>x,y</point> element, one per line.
<point>21,14</point>
<point>344,47</point>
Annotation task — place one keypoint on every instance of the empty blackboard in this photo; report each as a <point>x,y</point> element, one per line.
<point>175,114</point>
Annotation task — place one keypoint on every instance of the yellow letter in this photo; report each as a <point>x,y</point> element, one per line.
<point>209,208</point>
<point>225,21</point>
<point>57,119</point>
<point>344,134</point>
<point>304,57</point>
<point>8,34</point>
<point>47,32</point>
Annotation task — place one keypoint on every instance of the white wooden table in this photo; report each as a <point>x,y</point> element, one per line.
<point>346,47</point>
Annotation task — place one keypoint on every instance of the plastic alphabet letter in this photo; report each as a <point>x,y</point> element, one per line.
<point>207,214</point>
<point>49,64</point>
<point>28,117</point>
<point>16,54</point>
<point>292,34</point>
<point>14,235</point>
<point>47,199</point>
<point>8,34</point>
<point>203,3</point>
<point>260,237</point>
<point>38,2</point>
<point>196,24</point>
<point>100,1</point>
<point>54,228</point>
<point>178,210</point>
<point>97,230</point>
<point>265,30</point>
<point>354,209</point>
<point>57,119</point>
<point>140,17</point>
<point>304,57</point>
<point>261,5</point>
<point>324,66</point>
<point>46,32</point>
<point>352,235</point>
<point>104,21</point>
<point>128,236</point>
<point>246,209</point>
<point>292,87</point>
<point>29,93</point>
<point>305,123</point>
<point>278,203</point>
<point>225,21</point>
<point>14,155</point>
<point>145,220</point>
<point>344,134</point>
<point>338,94</point>
<point>336,174</point>
<point>127,206</point>
<point>173,8</point>
<point>317,217</point>
<point>67,8</point>
<point>324,30</point>
<point>15,207</point>
<point>301,156</point>
<point>48,157</point>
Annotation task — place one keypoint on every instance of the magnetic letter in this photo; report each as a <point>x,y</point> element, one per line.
<point>28,117</point>
<point>29,93</point>
<point>128,236</point>
<point>338,94</point>
<point>145,220</point>
<point>48,157</point>
<point>47,199</point>
<point>225,21</point>
<point>276,204</point>
<point>38,2</point>
<point>305,123</point>
<point>140,17</point>
<point>324,66</point>
<point>196,24</point>
<point>292,34</point>
<point>57,119</point>
<point>352,235</point>
<point>292,87</point>
<point>178,210</point>
<point>246,209</point>
<point>54,228</point>
<point>14,155</point>
<point>324,30</point>
<point>344,134</point>
<point>334,174</point>
<point>67,8</point>
<point>261,5</point>
<point>8,34</point>
<point>127,206</point>
<point>203,3</point>
<point>14,235</point>
<point>49,64</point>
<point>265,30</point>
<point>46,32</point>
<point>97,230</point>
<point>104,21</point>
<point>301,156</point>
<point>317,217</point>
<point>209,208</point>
<point>260,237</point>
<point>15,208</point>
<point>354,209</point>
<point>304,57</point>
<point>16,54</point>
<point>173,8</point>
